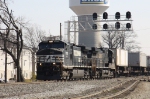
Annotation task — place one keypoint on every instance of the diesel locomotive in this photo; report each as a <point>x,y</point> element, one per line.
<point>57,59</point>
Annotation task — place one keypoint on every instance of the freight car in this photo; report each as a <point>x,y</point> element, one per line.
<point>137,63</point>
<point>59,60</point>
<point>121,61</point>
<point>148,65</point>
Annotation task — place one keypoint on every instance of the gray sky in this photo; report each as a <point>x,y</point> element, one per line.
<point>49,13</point>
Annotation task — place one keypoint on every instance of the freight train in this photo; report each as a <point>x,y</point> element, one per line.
<point>57,60</point>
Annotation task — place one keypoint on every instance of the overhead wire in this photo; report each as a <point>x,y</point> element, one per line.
<point>142,29</point>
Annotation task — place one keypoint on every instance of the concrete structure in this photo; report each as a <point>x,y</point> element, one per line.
<point>26,62</point>
<point>84,9</point>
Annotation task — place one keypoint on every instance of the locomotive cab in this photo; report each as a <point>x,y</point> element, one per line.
<point>50,58</point>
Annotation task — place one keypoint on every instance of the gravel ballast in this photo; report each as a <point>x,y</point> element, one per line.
<point>57,90</point>
<point>142,91</point>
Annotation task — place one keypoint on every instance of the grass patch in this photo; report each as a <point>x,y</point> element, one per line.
<point>28,80</point>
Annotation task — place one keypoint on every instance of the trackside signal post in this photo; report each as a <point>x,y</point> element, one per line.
<point>96,23</point>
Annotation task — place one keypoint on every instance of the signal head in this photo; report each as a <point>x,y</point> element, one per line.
<point>94,16</point>
<point>117,15</point>
<point>94,26</point>
<point>105,15</point>
<point>117,25</point>
<point>128,25</point>
<point>105,26</point>
<point>128,15</point>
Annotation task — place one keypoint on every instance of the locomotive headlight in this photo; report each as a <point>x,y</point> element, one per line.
<point>54,63</point>
<point>50,41</point>
<point>40,64</point>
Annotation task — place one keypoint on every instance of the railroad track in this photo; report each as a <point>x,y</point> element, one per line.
<point>118,91</point>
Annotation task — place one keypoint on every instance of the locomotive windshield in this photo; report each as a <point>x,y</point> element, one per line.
<point>51,45</point>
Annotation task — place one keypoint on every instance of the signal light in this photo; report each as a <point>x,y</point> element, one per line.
<point>105,26</point>
<point>117,25</point>
<point>128,15</point>
<point>117,15</point>
<point>94,16</point>
<point>105,15</point>
<point>128,25</point>
<point>94,26</point>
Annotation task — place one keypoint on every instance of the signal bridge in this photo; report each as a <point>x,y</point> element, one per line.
<point>95,23</point>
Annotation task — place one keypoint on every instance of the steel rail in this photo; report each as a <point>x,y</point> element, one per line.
<point>112,88</point>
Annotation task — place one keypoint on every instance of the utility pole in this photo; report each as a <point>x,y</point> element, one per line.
<point>60,32</point>
<point>109,40</point>
<point>33,60</point>
<point>18,69</point>
<point>5,67</point>
<point>123,38</point>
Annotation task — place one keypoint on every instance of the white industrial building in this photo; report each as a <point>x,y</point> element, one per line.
<point>26,63</point>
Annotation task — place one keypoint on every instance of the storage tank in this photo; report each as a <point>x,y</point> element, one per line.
<point>84,10</point>
<point>137,59</point>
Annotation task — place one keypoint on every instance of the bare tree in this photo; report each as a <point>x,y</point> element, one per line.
<point>112,39</point>
<point>33,36</point>
<point>121,39</point>
<point>11,36</point>
<point>128,41</point>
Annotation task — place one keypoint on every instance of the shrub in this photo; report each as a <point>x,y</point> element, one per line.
<point>33,78</point>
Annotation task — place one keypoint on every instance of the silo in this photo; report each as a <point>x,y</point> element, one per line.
<point>84,10</point>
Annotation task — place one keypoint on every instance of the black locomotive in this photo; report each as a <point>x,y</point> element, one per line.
<point>59,60</point>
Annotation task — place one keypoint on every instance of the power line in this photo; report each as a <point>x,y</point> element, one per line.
<point>144,47</point>
<point>142,29</point>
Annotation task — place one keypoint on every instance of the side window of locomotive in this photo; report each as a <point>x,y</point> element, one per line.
<point>51,45</point>
<point>43,46</point>
<point>57,45</point>
<point>89,54</point>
